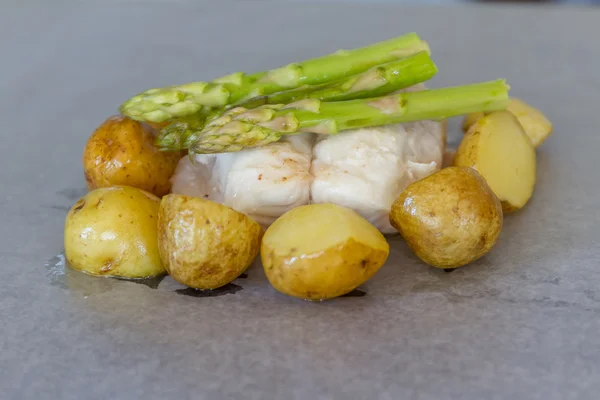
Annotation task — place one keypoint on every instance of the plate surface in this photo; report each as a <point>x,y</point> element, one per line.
<point>521,323</point>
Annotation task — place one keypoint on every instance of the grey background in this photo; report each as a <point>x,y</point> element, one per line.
<point>447,2</point>
<point>522,323</point>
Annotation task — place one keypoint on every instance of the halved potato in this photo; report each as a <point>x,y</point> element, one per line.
<point>321,251</point>
<point>498,148</point>
<point>537,127</point>
<point>203,244</point>
<point>450,218</point>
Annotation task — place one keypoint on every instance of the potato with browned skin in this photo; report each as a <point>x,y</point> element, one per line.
<point>122,152</point>
<point>203,244</point>
<point>321,251</point>
<point>450,218</point>
<point>112,232</point>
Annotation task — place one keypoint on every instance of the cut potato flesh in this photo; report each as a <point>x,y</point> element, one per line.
<point>336,226</point>
<point>470,119</point>
<point>535,124</point>
<point>499,149</point>
<point>321,251</point>
<point>537,127</point>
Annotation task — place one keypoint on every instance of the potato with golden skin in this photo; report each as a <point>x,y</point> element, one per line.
<point>113,232</point>
<point>498,148</point>
<point>321,251</point>
<point>203,244</point>
<point>535,124</point>
<point>450,218</point>
<point>122,152</point>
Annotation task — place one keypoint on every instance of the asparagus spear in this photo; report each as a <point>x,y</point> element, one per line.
<point>161,104</point>
<point>240,128</point>
<point>377,81</point>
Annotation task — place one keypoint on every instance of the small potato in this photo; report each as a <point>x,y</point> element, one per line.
<point>122,152</point>
<point>537,127</point>
<point>321,251</point>
<point>112,232</point>
<point>205,245</point>
<point>450,218</point>
<point>498,148</point>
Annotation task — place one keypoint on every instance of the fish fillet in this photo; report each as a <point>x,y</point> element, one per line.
<point>363,169</point>
<point>367,169</point>
<point>262,183</point>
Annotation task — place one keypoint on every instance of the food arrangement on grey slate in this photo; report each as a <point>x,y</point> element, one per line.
<point>519,323</point>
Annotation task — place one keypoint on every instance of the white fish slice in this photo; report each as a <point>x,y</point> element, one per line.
<point>263,183</point>
<point>367,169</point>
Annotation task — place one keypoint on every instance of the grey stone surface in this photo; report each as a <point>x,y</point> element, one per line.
<point>522,323</point>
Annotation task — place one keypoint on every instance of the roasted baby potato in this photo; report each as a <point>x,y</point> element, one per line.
<point>321,251</point>
<point>112,232</point>
<point>498,148</point>
<point>205,245</point>
<point>450,218</point>
<point>537,127</point>
<point>122,152</point>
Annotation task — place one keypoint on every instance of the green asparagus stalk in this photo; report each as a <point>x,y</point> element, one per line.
<point>162,104</point>
<point>240,128</point>
<point>376,81</point>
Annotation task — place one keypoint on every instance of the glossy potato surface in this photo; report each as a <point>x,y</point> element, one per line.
<point>113,232</point>
<point>203,244</point>
<point>122,152</point>
<point>321,251</point>
<point>450,218</point>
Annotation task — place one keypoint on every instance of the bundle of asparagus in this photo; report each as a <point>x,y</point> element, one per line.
<point>345,90</point>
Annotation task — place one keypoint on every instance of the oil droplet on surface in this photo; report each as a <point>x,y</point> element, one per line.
<point>230,288</point>
<point>60,274</point>
<point>55,270</point>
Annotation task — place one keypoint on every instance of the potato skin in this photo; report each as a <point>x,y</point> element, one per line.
<point>205,245</point>
<point>122,152</point>
<point>450,218</point>
<point>112,232</point>
<point>327,273</point>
